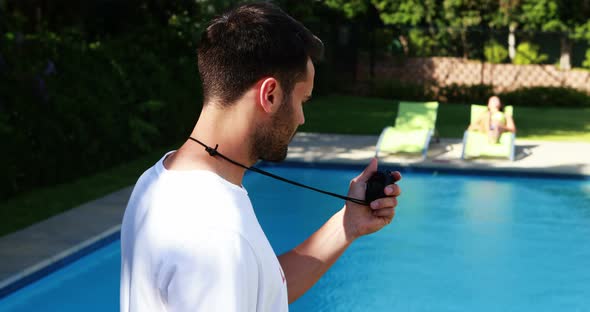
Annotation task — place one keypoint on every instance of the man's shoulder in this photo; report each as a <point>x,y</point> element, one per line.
<point>198,185</point>
<point>195,206</point>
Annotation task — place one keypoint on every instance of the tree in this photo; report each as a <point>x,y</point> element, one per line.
<point>569,18</point>
<point>414,14</point>
<point>444,21</point>
<point>462,15</point>
<point>507,17</point>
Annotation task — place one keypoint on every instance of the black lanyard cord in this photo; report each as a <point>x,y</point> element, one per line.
<point>213,152</point>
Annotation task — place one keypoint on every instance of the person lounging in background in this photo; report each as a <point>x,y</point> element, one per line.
<point>494,121</point>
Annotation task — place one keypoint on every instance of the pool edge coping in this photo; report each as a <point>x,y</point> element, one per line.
<point>43,268</point>
<point>434,167</point>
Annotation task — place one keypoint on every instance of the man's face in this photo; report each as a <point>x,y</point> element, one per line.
<point>271,140</point>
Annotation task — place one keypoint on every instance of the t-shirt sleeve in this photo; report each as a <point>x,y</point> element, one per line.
<point>214,273</point>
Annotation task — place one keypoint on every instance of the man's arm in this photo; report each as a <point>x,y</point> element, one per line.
<point>306,263</point>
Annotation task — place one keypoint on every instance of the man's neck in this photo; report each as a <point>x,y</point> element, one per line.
<point>231,139</point>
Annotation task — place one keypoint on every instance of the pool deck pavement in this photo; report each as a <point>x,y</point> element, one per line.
<point>27,251</point>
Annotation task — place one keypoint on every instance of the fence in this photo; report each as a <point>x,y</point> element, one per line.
<point>441,71</point>
<point>464,57</point>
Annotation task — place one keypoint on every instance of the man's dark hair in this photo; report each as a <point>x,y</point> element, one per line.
<point>249,43</point>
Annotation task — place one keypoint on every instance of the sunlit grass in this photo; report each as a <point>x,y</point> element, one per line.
<point>356,115</point>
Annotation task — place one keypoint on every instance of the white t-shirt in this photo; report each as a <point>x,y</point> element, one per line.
<point>190,241</point>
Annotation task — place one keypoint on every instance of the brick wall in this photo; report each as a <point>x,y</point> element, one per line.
<point>449,70</point>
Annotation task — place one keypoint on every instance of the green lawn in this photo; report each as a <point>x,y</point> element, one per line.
<point>333,114</point>
<point>353,115</point>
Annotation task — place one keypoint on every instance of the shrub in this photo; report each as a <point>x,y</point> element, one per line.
<point>69,108</point>
<point>473,94</point>
<point>400,90</point>
<point>528,53</point>
<point>468,94</point>
<point>586,63</point>
<point>327,81</point>
<point>494,52</point>
<point>546,97</point>
<point>421,44</point>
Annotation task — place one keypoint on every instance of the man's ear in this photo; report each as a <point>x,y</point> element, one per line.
<point>269,94</point>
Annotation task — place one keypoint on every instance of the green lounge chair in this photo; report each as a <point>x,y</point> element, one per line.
<point>414,126</point>
<point>475,143</point>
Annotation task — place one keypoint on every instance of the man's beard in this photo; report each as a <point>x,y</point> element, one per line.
<point>271,140</point>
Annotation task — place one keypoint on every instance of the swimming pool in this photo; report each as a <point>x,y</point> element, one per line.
<point>458,243</point>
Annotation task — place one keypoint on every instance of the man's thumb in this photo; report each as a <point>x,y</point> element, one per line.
<point>368,172</point>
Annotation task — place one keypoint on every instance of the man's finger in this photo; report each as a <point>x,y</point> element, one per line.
<point>389,213</point>
<point>393,190</point>
<point>384,203</point>
<point>396,176</point>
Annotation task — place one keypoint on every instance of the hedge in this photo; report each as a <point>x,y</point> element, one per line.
<point>69,108</point>
<point>547,97</point>
<point>472,94</point>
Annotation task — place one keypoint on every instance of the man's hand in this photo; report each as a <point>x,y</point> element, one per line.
<point>361,220</point>
<point>305,264</point>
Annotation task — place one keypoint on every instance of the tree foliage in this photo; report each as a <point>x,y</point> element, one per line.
<point>528,53</point>
<point>494,52</point>
<point>565,16</point>
<point>586,63</point>
<point>351,8</point>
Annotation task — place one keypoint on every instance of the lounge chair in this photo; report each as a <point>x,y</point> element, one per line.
<point>413,129</point>
<point>476,144</point>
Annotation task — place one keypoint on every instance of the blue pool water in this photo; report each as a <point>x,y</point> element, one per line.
<point>458,243</point>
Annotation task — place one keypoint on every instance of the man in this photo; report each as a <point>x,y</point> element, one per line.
<point>190,240</point>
